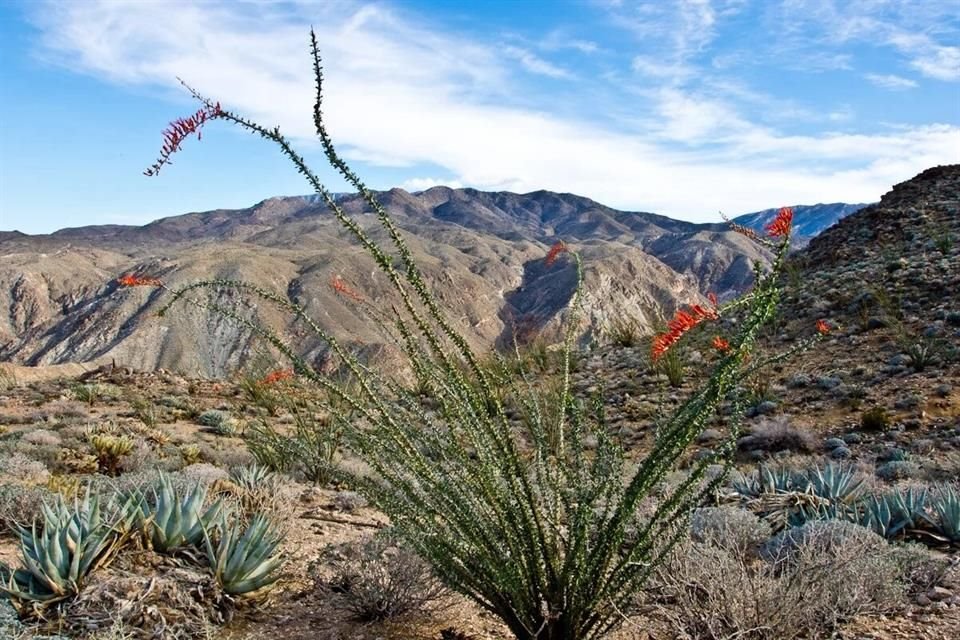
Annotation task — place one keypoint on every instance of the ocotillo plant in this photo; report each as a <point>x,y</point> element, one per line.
<point>535,520</point>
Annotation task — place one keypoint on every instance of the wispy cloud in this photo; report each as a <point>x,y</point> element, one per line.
<point>890,81</point>
<point>535,64</point>
<point>922,33</point>
<point>405,93</point>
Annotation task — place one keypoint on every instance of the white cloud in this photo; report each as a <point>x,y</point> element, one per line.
<point>892,82</point>
<point>535,64</point>
<point>915,30</point>
<point>422,184</point>
<point>401,94</point>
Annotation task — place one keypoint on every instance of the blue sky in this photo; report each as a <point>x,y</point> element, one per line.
<point>683,108</point>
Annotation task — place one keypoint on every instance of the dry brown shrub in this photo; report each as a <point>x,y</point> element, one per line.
<point>377,579</point>
<point>813,578</point>
<point>778,434</point>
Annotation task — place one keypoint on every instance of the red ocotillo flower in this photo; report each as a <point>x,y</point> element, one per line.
<point>341,287</point>
<point>721,344</point>
<point>822,327</point>
<point>712,297</point>
<point>558,247</point>
<point>130,280</point>
<point>277,376</point>
<point>781,224</point>
<point>679,325</point>
<point>177,132</point>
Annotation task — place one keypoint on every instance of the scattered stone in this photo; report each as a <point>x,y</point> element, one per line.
<point>938,594</point>
<point>710,435</point>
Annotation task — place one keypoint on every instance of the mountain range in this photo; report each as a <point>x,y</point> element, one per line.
<point>481,252</point>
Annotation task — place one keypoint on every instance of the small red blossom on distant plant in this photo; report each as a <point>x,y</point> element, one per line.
<point>276,376</point>
<point>679,325</point>
<point>558,247</point>
<point>720,344</point>
<point>822,327</point>
<point>178,130</point>
<point>342,287</point>
<point>130,280</point>
<point>781,224</point>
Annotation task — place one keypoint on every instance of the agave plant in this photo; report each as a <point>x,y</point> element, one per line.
<point>246,562</point>
<point>70,543</point>
<point>841,487</point>
<point>892,513</point>
<point>768,480</point>
<point>171,520</point>
<point>253,477</point>
<point>946,506</point>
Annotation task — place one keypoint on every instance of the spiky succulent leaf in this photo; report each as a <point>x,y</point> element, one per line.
<point>244,562</point>
<point>946,506</point>
<point>57,556</point>
<point>176,520</point>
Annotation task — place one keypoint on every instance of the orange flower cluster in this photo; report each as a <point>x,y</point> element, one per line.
<point>177,132</point>
<point>781,224</point>
<point>721,344</point>
<point>822,327</point>
<point>681,323</point>
<point>558,247</point>
<point>277,376</point>
<point>341,287</point>
<point>130,280</point>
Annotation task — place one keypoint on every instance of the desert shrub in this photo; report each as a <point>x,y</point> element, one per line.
<point>214,419</point>
<point>42,438</point>
<point>729,528</point>
<point>19,467</point>
<point>310,450</point>
<point>379,579</point>
<point>261,393</point>
<point>88,393</point>
<point>625,331</point>
<point>919,568</point>
<point>348,501</point>
<point>146,410</point>
<point>818,576</point>
<point>875,419</point>
<point>518,516</point>
<point>898,470</point>
<point>778,434</point>
<point>673,365</point>
<point>19,504</point>
<point>8,378</point>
